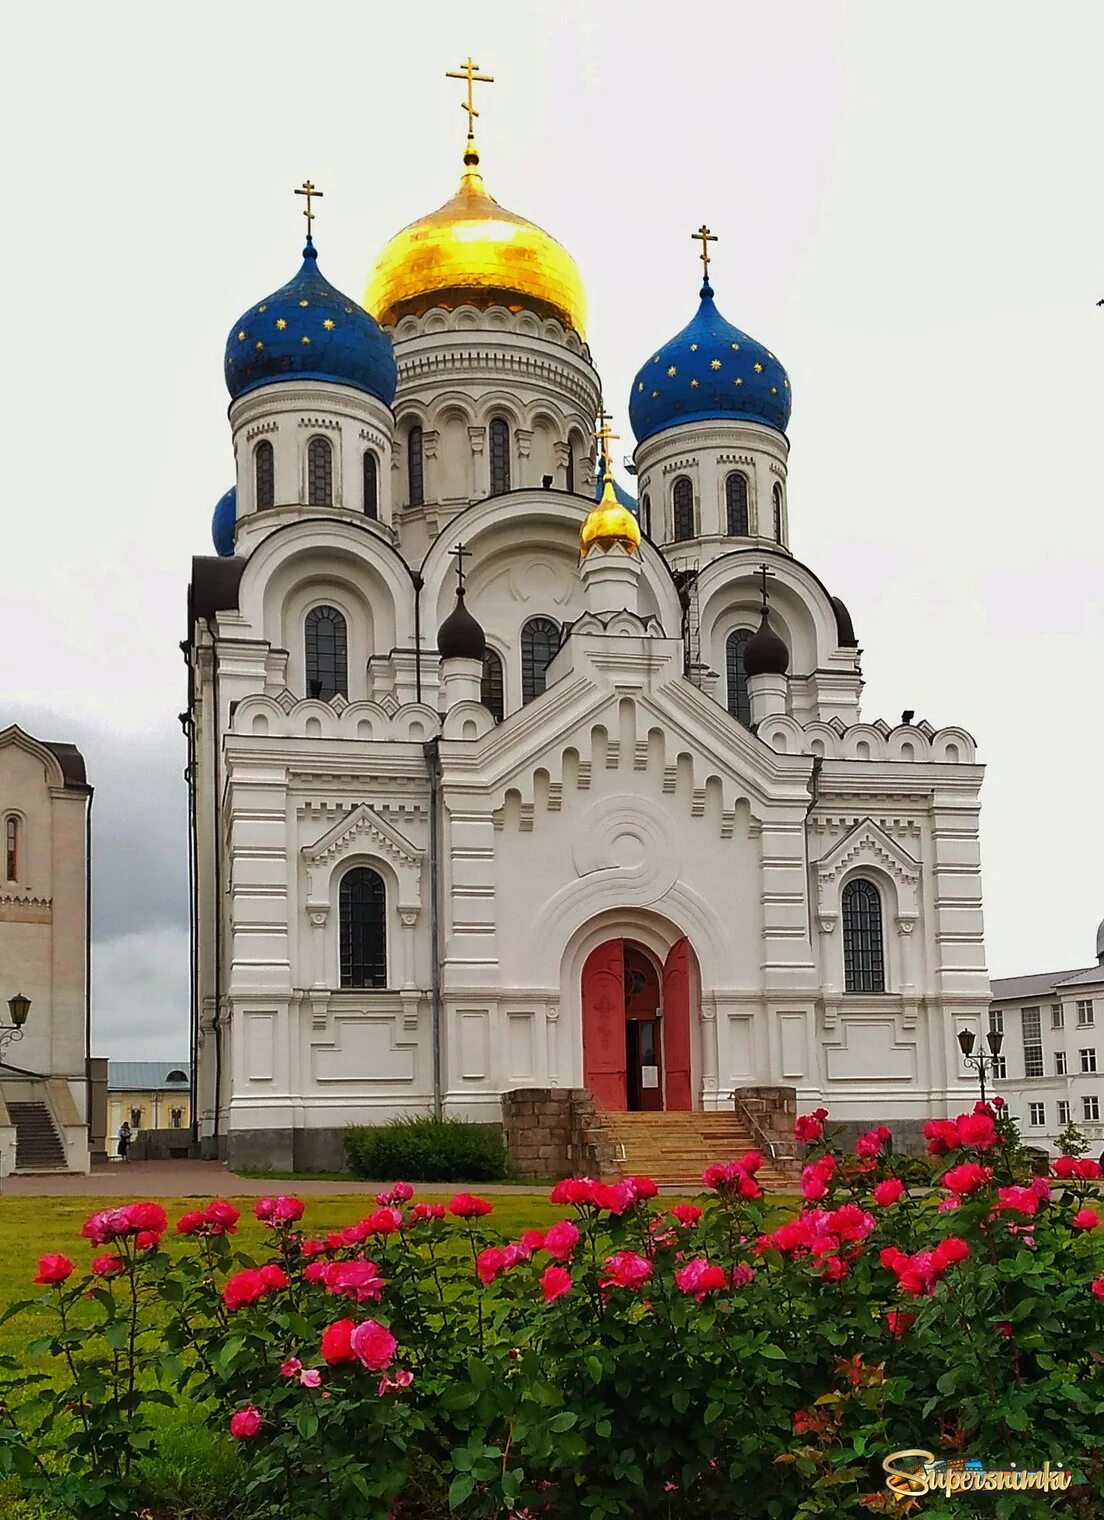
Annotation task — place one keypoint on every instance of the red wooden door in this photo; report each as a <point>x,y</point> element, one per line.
<point>644,1078</point>
<point>604,1025</point>
<point>676,1025</point>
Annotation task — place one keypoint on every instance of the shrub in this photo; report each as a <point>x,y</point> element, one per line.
<point>633,1360</point>
<point>426,1149</point>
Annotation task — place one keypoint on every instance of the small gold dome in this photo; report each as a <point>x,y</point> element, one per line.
<point>472,251</point>
<point>609,523</point>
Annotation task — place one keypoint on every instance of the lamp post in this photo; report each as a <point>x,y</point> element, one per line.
<point>981,1062</point>
<point>19,1007</point>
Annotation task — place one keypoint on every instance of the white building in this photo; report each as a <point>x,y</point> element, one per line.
<point>628,833</point>
<point>1051,1070</point>
<point>45,838</point>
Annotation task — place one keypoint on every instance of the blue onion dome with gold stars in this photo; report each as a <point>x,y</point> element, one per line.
<point>222,523</point>
<point>308,330</point>
<point>708,372</point>
<point>624,498</point>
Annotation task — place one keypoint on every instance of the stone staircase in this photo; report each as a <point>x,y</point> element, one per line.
<point>38,1146</point>
<point>675,1148</point>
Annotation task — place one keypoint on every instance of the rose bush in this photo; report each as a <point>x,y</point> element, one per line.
<point>634,1359</point>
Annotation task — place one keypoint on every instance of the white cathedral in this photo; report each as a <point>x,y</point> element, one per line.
<point>503,779</point>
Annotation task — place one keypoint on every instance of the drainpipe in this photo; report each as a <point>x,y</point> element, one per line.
<point>432,751</point>
<point>814,798</point>
<point>88,972</point>
<point>187,723</point>
<point>215,805</point>
<point>418,584</point>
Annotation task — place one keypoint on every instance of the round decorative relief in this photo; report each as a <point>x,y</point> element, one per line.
<point>634,841</point>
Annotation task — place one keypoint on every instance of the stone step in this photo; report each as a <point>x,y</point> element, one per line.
<point>38,1146</point>
<point>675,1148</point>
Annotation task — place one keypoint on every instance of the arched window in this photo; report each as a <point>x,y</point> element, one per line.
<point>363,915</point>
<point>327,651</point>
<point>570,467</point>
<point>863,963</point>
<point>264,474</point>
<point>492,688</point>
<point>682,501</point>
<point>646,513</point>
<point>736,500</point>
<point>540,638</point>
<point>371,484</point>
<point>739,702</point>
<point>11,847</point>
<point>319,473</point>
<point>777,493</point>
<point>415,467</point>
<point>500,456</point>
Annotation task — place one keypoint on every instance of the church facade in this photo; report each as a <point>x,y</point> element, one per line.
<point>503,778</point>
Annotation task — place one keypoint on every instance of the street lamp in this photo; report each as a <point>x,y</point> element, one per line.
<point>981,1062</point>
<point>18,1006</point>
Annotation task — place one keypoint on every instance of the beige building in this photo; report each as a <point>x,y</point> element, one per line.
<point>149,1095</point>
<point>45,853</point>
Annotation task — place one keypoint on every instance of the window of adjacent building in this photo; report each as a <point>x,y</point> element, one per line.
<point>176,1075</point>
<point>1059,1063</point>
<point>1063,1113</point>
<point>1031,1028</point>
<point>1036,1115</point>
<point>739,702</point>
<point>264,474</point>
<point>136,1118</point>
<point>371,484</point>
<point>999,1068</point>
<point>736,502</point>
<point>540,638</point>
<point>863,965</point>
<point>996,1021</point>
<point>492,688</point>
<point>1085,1013</point>
<point>327,657</point>
<point>415,467</point>
<point>363,929</point>
<point>11,847</point>
<point>1088,1059</point>
<point>1057,1016</point>
<point>1090,1107</point>
<point>777,494</point>
<point>500,456</point>
<point>682,507</point>
<point>177,1115</point>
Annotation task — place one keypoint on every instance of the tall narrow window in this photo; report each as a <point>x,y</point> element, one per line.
<point>682,503</point>
<point>540,638</point>
<point>863,964</point>
<point>492,691</point>
<point>777,493</point>
<point>319,473</point>
<point>500,456</point>
<point>1031,1030</point>
<point>264,474</point>
<point>646,513</point>
<point>327,662</point>
<point>736,500</point>
<point>363,912</point>
<point>415,467</point>
<point>739,702</point>
<point>11,848</point>
<point>571,467</point>
<point>371,484</point>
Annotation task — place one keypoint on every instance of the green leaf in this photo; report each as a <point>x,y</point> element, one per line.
<point>713,1412</point>
<point>460,1489</point>
<point>773,1353</point>
<point>594,1367</point>
<point>562,1421</point>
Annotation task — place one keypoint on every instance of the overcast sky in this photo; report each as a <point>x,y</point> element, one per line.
<point>908,205</point>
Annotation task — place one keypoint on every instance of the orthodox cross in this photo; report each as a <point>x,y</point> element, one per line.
<point>460,554</point>
<point>763,573</point>
<point>604,437</point>
<point>469,71</point>
<point>705,237</point>
<point>308,190</point>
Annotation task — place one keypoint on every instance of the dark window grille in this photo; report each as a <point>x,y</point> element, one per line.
<point>739,699</point>
<point>177,1117</point>
<point>682,498</point>
<point>778,513</point>
<point>371,484</point>
<point>415,467</point>
<point>500,457</point>
<point>540,638</point>
<point>646,513</point>
<point>571,468</point>
<point>327,649</point>
<point>363,912</point>
<point>319,473</point>
<point>11,848</point>
<point>492,688</point>
<point>736,499</point>
<point>863,965</point>
<point>264,474</point>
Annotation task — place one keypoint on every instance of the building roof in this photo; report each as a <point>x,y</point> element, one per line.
<point>144,1076</point>
<point>1091,976</point>
<point>1039,984</point>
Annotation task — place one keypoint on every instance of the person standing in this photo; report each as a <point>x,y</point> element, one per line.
<point>124,1140</point>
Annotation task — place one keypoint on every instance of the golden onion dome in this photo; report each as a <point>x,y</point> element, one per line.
<point>473,252</point>
<point>609,523</point>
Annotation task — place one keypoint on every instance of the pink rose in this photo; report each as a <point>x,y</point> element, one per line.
<point>966,1179</point>
<point>245,1423</point>
<point>109,1265</point>
<point>222,1216</point>
<point>53,1269</point>
<point>424,1211</point>
<point>561,1239</point>
<point>533,1240</point>
<point>891,1191</point>
<point>384,1221</point>
<point>288,1210</point>
<point>625,1269</point>
<point>273,1277</point>
<point>145,1216</point>
<point>700,1278</point>
<point>467,1206</point>
<point>147,1240</point>
<point>977,1130</point>
<point>949,1251</point>
<point>359,1280</point>
<point>1086,1219</point>
<point>392,1382</point>
<point>373,1345</point>
<point>291,1367</point>
<point>555,1282</point>
<point>310,1377</point>
<point>643,1187</point>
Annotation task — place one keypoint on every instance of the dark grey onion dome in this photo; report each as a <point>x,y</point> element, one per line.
<point>460,637</point>
<point>845,628</point>
<point>765,654</point>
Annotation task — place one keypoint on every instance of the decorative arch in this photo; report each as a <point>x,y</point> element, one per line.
<point>863,944</point>
<point>616,1013</point>
<point>362,928</point>
<point>868,851</point>
<point>326,653</point>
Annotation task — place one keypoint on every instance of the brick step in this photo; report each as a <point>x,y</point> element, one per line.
<point>675,1148</point>
<point>38,1146</point>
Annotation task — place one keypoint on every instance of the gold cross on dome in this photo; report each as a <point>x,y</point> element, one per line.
<point>605,437</point>
<point>469,71</point>
<point>309,191</point>
<point>705,237</point>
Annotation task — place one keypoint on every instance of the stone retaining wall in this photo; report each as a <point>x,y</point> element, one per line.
<point>554,1132</point>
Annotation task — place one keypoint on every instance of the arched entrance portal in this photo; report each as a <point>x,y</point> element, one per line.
<point>636,1027</point>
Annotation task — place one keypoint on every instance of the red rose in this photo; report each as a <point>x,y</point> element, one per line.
<point>561,1239</point>
<point>245,1423</point>
<point>1098,1287</point>
<point>337,1342</point>
<point>625,1269</point>
<point>147,1240</point>
<point>555,1282</point>
<point>245,1287</point>
<point>898,1321</point>
<point>53,1269</point>
<point>273,1277</point>
<point>385,1221</point>
<point>687,1214</point>
<point>222,1216</point>
<point>1086,1219</point>
<point>466,1206</point>
<point>287,1210</point>
<point>108,1265</point>
<point>807,1128</point>
<point>891,1191</point>
<point>966,1179</point>
<point>191,1223</point>
<point>950,1251</point>
<point>643,1187</point>
<point>145,1216</point>
<point>976,1130</point>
